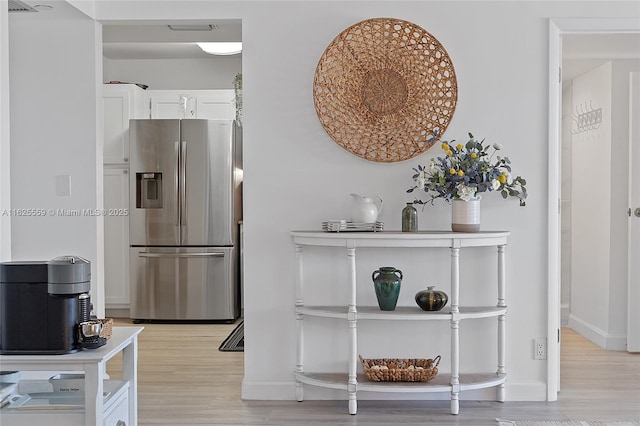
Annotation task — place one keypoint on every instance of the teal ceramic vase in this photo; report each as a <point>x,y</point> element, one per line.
<point>386,282</point>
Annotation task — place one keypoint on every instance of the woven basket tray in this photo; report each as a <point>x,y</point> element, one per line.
<point>107,327</point>
<point>400,370</point>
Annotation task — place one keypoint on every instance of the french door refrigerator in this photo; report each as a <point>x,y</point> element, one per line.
<point>185,209</point>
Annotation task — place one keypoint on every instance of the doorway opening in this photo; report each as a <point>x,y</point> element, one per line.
<point>157,70</point>
<point>578,32</point>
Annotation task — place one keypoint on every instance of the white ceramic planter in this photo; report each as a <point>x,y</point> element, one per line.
<point>465,215</point>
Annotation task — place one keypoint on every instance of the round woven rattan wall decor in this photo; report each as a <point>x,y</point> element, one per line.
<point>385,90</point>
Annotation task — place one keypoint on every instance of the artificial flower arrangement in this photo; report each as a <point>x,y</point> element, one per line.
<point>466,171</point>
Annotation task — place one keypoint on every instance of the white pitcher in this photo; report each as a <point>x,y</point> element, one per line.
<point>365,209</point>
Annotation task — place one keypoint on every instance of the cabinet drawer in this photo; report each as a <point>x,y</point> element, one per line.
<point>118,413</point>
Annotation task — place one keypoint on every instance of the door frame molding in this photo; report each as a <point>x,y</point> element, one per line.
<point>633,290</point>
<point>557,28</point>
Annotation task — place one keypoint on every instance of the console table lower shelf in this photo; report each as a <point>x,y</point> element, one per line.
<point>440,383</point>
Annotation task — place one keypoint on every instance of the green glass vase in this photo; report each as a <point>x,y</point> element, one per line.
<point>409,218</point>
<point>386,282</point>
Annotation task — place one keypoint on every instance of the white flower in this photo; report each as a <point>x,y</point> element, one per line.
<point>509,178</point>
<point>466,193</point>
<point>432,165</point>
<point>421,180</point>
<point>497,146</point>
<point>495,184</point>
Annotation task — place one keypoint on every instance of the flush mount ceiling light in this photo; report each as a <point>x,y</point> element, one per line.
<point>221,48</point>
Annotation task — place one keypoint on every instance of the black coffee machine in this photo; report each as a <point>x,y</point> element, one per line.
<point>42,304</point>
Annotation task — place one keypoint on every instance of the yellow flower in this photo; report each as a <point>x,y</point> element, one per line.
<point>445,146</point>
<point>474,155</point>
<point>502,178</point>
<point>452,171</point>
<point>504,173</point>
<point>459,147</point>
<point>460,173</point>
<point>449,153</point>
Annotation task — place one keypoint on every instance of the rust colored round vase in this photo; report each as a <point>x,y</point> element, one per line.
<point>431,299</point>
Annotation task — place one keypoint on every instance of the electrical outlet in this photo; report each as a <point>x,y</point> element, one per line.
<point>540,348</point>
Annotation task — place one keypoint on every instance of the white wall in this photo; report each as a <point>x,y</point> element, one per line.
<point>296,176</point>
<point>590,201</point>
<point>565,260</point>
<point>178,74</point>
<point>5,146</point>
<point>53,74</point>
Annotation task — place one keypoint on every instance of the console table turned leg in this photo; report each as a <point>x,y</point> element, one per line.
<point>353,403</point>
<point>502,320</point>
<point>299,324</point>
<point>455,404</point>
<point>455,327</point>
<point>299,362</point>
<point>352,318</point>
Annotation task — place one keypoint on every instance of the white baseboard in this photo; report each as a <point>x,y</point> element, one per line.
<point>286,391</point>
<point>268,391</point>
<point>610,342</point>
<point>116,312</point>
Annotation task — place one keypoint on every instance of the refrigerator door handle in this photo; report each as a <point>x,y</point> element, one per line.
<point>183,182</point>
<point>176,186</point>
<point>213,254</point>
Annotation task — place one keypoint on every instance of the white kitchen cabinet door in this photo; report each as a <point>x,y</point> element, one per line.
<point>121,102</point>
<point>202,104</point>
<point>216,105</point>
<point>173,106</point>
<point>116,237</point>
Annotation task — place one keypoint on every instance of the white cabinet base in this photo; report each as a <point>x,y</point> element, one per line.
<point>97,408</point>
<point>116,408</point>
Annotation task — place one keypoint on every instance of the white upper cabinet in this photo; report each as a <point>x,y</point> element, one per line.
<point>121,102</point>
<point>217,105</point>
<point>203,104</point>
<point>172,106</point>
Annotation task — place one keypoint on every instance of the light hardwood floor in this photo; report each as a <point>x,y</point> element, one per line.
<point>184,380</point>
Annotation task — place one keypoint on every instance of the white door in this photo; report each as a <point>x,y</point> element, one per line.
<point>633,303</point>
<point>121,102</point>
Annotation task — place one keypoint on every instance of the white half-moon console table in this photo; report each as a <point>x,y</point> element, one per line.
<point>119,408</point>
<point>454,382</point>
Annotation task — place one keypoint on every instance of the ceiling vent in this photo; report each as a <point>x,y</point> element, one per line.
<point>191,27</point>
<point>19,6</point>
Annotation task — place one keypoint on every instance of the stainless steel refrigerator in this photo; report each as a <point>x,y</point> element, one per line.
<point>185,209</point>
